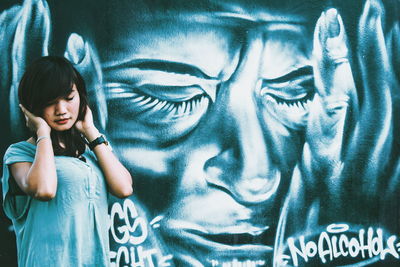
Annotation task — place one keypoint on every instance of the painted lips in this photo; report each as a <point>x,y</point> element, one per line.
<point>224,249</point>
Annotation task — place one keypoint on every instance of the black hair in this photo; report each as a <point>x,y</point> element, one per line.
<point>46,80</point>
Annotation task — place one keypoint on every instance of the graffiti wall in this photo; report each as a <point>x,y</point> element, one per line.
<point>258,133</point>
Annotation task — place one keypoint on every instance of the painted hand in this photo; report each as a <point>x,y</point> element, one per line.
<point>350,123</point>
<point>85,60</point>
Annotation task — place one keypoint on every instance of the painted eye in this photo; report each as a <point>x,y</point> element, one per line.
<point>162,108</point>
<point>289,101</point>
<point>172,110</point>
<point>300,101</point>
<point>166,118</point>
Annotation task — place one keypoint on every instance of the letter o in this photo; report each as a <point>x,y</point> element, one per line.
<point>354,247</point>
<point>311,249</point>
<point>337,228</point>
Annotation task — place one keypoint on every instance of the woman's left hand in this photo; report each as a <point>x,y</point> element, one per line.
<point>87,127</point>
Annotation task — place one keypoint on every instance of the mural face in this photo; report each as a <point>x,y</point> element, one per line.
<point>246,125</point>
<point>207,128</point>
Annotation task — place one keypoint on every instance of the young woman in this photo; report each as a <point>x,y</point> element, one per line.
<point>55,184</point>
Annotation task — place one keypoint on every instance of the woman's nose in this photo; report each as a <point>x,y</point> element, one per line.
<point>61,107</point>
<point>243,165</point>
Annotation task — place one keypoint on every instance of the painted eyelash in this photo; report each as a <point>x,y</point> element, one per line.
<point>297,102</point>
<point>179,108</point>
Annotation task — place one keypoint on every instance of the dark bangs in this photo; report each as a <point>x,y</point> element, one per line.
<point>44,81</point>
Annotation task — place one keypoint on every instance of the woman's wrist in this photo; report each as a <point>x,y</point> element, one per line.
<point>91,134</point>
<point>43,132</point>
<point>40,138</point>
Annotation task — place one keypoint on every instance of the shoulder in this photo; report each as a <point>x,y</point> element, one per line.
<point>21,151</point>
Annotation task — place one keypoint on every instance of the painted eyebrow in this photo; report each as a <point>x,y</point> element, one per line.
<point>303,71</point>
<point>166,66</point>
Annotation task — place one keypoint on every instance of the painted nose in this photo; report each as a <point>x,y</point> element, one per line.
<point>243,166</point>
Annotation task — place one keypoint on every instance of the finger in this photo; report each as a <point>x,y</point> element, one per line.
<point>88,110</point>
<point>30,41</point>
<point>23,109</point>
<point>332,71</point>
<point>335,91</point>
<point>85,60</point>
<point>374,63</point>
<point>334,85</point>
<point>26,112</point>
<point>26,116</point>
<point>373,140</point>
<point>395,45</point>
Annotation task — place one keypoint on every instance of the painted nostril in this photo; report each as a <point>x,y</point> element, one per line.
<point>245,190</point>
<point>255,185</point>
<point>257,189</point>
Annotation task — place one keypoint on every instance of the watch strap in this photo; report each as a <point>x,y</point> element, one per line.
<point>99,140</point>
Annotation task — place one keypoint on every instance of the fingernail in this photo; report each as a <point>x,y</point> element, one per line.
<point>374,8</point>
<point>75,50</point>
<point>332,22</point>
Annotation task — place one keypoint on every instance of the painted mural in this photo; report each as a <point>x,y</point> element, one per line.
<point>258,133</point>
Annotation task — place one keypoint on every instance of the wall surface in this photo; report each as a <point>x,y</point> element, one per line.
<point>258,133</point>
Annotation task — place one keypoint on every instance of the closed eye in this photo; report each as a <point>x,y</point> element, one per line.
<point>291,102</point>
<point>294,88</point>
<point>174,109</point>
<point>159,108</point>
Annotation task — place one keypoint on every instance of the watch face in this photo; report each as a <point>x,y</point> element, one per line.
<point>100,139</point>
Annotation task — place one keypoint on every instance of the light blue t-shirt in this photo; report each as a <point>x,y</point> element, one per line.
<point>69,230</point>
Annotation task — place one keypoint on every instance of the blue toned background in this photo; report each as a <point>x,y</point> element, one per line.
<point>258,133</point>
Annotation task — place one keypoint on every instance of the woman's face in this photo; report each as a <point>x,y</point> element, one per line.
<point>62,113</point>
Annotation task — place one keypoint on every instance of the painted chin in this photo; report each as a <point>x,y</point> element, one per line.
<point>225,234</point>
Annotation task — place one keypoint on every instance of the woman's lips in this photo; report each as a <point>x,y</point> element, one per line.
<point>62,121</point>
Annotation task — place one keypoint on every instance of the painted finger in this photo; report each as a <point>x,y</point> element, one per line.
<point>374,63</point>
<point>335,87</point>
<point>332,71</point>
<point>31,40</point>
<point>85,60</point>
<point>373,138</point>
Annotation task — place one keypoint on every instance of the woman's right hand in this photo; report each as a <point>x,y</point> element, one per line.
<point>36,123</point>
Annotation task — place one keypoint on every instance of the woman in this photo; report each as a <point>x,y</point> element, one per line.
<point>54,186</point>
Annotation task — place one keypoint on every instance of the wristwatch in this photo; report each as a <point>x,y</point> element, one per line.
<point>99,140</point>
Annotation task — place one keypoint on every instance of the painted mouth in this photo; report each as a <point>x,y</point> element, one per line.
<point>237,239</point>
<point>217,249</point>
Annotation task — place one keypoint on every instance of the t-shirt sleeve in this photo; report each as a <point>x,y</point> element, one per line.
<point>15,205</point>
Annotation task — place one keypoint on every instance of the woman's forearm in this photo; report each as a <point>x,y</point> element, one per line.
<point>117,176</point>
<point>41,180</point>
